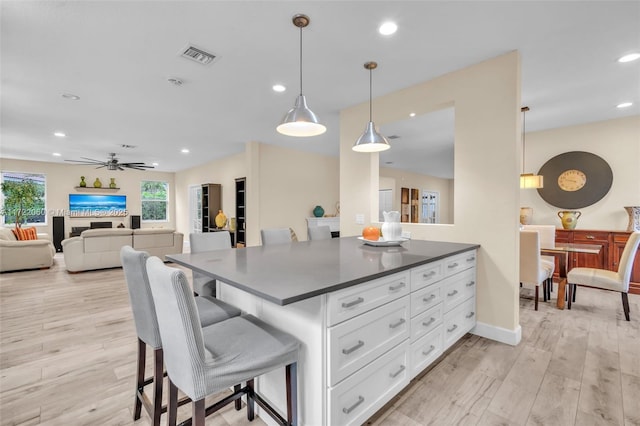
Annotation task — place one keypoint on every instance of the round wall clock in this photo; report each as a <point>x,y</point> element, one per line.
<point>575,179</point>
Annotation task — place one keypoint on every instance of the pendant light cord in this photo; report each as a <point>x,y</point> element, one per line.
<point>524,114</point>
<point>370,95</point>
<point>300,61</point>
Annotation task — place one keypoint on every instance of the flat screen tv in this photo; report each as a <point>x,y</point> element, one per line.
<point>94,205</point>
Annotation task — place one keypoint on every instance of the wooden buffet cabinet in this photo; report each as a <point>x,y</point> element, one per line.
<point>612,243</point>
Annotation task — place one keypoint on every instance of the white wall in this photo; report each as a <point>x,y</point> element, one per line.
<point>617,142</point>
<point>63,178</point>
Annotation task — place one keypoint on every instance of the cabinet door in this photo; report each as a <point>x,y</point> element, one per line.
<point>587,260</point>
<point>619,241</point>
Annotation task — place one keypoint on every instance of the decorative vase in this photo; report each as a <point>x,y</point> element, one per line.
<point>526,215</point>
<point>221,219</point>
<point>391,228</point>
<point>83,184</point>
<point>97,183</point>
<point>232,224</point>
<point>569,218</point>
<point>318,211</point>
<point>112,185</point>
<point>634,218</point>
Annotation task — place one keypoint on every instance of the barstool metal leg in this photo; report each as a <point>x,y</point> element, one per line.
<point>250,401</point>
<point>142,353</point>
<point>172,404</point>
<point>198,413</point>
<point>158,377</point>
<point>292,393</point>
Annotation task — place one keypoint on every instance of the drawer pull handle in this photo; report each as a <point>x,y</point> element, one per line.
<point>428,299</point>
<point>471,259</point>
<point>449,330</point>
<point>400,370</point>
<point>453,293</point>
<point>470,315</point>
<point>353,407</point>
<point>590,237</point>
<point>397,287</point>
<point>354,303</point>
<point>353,348</point>
<point>470,283</point>
<point>431,349</point>
<point>453,265</point>
<point>397,324</point>
<point>428,323</point>
<point>429,275</point>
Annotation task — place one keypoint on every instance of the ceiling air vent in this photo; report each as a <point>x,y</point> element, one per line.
<point>393,137</point>
<point>198,55</point>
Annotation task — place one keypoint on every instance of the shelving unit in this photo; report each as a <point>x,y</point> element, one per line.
<point>94,189</point>
<point>404,205</point>
<point>415,205</point>
<point>409,205</point>
<point>241,186</point>
<point>211,203</point>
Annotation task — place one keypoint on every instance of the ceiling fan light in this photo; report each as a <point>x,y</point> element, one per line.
<point>531,181</point>
<point>300,121</point>
<point>371,140</point>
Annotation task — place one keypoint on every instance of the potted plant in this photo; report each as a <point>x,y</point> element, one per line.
<point>19,198</point>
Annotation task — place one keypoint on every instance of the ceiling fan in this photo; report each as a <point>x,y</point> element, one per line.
<point>111,164</point>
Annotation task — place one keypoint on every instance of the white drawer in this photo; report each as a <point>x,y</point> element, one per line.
<point>426,321</point>
<point>459,262</point>
<point>352,301</point>
<point>358,397</point>
<point>426,350</point>
<point>426,274</point>
<point>355,343</point>
<point>459,321</point>
<point>458,288</point>
<point>425,298</point>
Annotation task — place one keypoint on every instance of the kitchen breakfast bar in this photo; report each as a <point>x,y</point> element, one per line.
<point>369,318</point>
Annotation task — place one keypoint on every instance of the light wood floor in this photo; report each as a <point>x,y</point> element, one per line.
<point>67,357</point>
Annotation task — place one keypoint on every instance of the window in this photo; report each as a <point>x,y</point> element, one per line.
<point>155,201</point>
<point>23,198</point>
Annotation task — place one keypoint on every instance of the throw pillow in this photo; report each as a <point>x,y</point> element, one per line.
<point>23,234</point>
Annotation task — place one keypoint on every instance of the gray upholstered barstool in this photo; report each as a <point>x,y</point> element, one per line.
<point>204,361</point>
<point>207,241</point>
<point>209,311</point>
<point>275,236</point>
<point>322,232</point>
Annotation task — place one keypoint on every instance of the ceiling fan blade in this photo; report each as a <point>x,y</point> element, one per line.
<point>99,167</point>
<point>120,168</point>
<point>91,159</point>
<point>85,161</point>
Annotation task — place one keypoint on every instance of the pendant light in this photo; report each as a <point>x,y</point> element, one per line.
<point>528,180</point>
<point>371,140</point>
<point>300,120</point>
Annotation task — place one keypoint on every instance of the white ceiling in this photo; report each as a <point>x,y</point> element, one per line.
<point>117,56</point>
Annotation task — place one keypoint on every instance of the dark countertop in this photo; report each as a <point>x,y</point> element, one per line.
<point>287,273</point>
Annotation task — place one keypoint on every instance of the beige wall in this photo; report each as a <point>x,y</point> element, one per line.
<point>617,142</point>
<point>395,179</point>
<point>486,97</point>
<point>63,178</point>
<point>223,171</point>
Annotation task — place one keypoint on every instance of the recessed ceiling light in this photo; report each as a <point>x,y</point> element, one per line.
<point>60,134</point>
<point>278,88</point>
<point>388,28</point>
<point>413,114</point>
<point>630,57</point>
<point>184,151</point>
<point>70,96</point>
<point>624,105</point>
<point>175,81</point>
<point>154,164</point>
<point>57,154</point>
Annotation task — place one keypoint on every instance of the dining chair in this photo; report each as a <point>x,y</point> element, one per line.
<point>204,361</point>
<point>531,270</point>
<point>275,236</point>
<point>547,235</point>
<point>207,241</point>
<point>209,309</point>
<point>319,232</point>
<point>608,280</point>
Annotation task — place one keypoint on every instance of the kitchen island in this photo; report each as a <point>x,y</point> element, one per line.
<point>369,318</point>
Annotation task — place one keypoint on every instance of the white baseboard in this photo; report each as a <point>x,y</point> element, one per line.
<point>499,334</point>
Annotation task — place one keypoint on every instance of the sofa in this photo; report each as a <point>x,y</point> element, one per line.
<point>16,255</point>
<point>100,248</point>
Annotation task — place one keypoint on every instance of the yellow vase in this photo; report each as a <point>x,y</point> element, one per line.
<point>97,183</point>
<point>221,219</point>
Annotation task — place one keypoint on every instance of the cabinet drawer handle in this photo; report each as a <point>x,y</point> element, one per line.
<point>470,314</point>
<point>428,299</point>
<point>453,293</point>
<point>429,275</point>
<point>471,259</point>
<point>470,283</point>
<point>400,370</point>
<point>428,323</point>
<point>354,303</point>
<point>431,349</point>
<point>590,237</point>
<point>449,330</point>
<point>397,324</point>
<point>353,348</point>
<point>453,265</point>
<point>353,407</point>
<point>397,287</point>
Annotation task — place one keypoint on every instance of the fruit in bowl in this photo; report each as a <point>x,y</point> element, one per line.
<point>371,233</point>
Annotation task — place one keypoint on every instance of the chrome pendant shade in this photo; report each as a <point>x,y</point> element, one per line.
<point>371,140</point>
<point>300,121</point>
<point>528,180</point>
